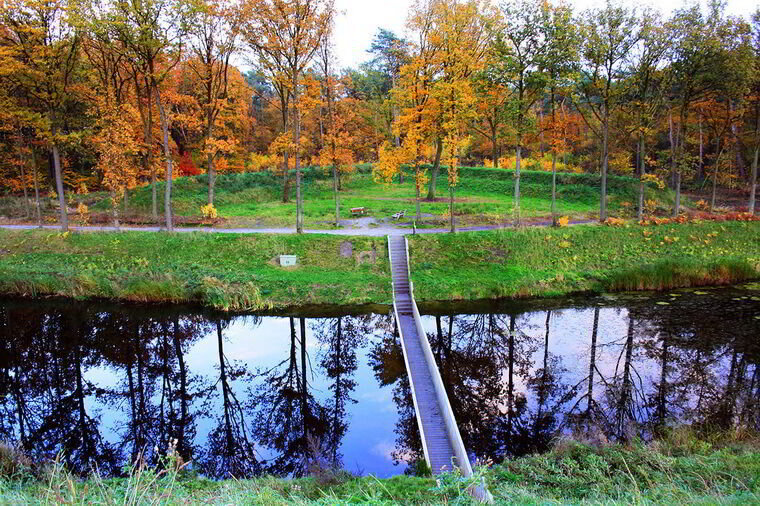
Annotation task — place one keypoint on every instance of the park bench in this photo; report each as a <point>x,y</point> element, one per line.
<point>397,216</point>
<point>358,211</point>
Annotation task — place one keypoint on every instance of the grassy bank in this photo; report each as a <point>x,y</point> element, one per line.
<point>548,262</point>
<point>234,272</point>
<point>681,468</point>
<point>220,270</point>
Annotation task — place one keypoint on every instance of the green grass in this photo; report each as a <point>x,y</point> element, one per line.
<point>239,271</point>
<point>230,272</point>
<point>680,468</point>
<point>548,262</point>
<point>484,196</point>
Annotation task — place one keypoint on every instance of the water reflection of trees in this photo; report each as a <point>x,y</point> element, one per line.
<point>647,366</point>
<point>143,395</point>
<point>103,386</point>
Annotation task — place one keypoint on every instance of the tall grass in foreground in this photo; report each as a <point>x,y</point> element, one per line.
<point>683,467</point>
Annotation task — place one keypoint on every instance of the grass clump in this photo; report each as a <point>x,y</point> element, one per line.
<point>13,461</point>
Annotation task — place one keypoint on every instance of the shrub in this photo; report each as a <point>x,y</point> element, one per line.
<point>209,212</point>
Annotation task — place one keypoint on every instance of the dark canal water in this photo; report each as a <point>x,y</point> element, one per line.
<point>252,394</point>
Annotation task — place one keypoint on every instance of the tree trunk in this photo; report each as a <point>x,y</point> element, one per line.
<point>337,196</point>
<point>297,142</point>
<point>715,179</point>
<point>115,210</point>
<point>592,365</point>
<point>146,115</point>
<point>285,181</point>
<point>753,175</point>
<point>700,166</point>
<point>451,209</point>
<point>677,206</point>
<point>417,201</point>
<point>540,131</point>
<point>59,187</point>
<point>642,172</point>
<point>753,181</point>
<point>183,397</point>
<point>168,155</point>
<point>675,173</point>
<point>225,388</point>
<point>27,212</point>
<point>37,189</point>
<point>211,174</point>
<point>153,193</point>
<point>394,119</point>
<point>554,167</point>
<point>495,151</point>
<point>517,180</point>
<point>285,115</point>
<point>436,169</point>
<point>304,389</point>
<point>605,162</point>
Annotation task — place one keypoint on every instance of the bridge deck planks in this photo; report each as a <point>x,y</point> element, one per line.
<point>439,448</point>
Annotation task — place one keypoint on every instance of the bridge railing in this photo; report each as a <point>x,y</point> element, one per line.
<point>452,428</point>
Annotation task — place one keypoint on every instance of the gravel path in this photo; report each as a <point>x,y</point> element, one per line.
<point>377,231</point>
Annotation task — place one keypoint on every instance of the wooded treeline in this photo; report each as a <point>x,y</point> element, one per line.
<point>112,94</point>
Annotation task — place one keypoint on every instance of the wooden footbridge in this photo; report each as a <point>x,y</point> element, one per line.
<point>441,441</point>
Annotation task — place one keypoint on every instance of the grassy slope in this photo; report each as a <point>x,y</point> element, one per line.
<point>542,262</point>
<point>225,271</point>
<point>230,271</point>
<point>688,470</point>
<point>486,194</point>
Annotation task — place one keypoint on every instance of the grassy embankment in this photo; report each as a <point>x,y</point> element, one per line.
<point>548,262</point>
<point>681,468</point>
<point>238,271</point>
<point>483,196</point>
<point>220,270</point>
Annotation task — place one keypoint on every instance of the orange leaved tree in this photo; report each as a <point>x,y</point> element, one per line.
<point>40,58</point>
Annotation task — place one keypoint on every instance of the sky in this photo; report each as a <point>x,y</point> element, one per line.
<point>360,19</point>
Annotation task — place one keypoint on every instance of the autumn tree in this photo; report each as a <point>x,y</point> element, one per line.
<point>559,64</point>
<point>213,34</point>
<point>754,108</point>
<point>521,46</point>
<point>40,59</point>
<point>462,36</point>
<point>285,36</point>
<point>491,104</point>
<point>416,123</point>
<point>610,33</point>
<point>647,91</point>
<point>153,32</point>
<point>734,57</point>
<point>110,94</point>
<point>337,140</point>
<point>390,53</point>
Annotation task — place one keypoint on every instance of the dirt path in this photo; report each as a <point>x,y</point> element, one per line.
<point>381,230</point>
